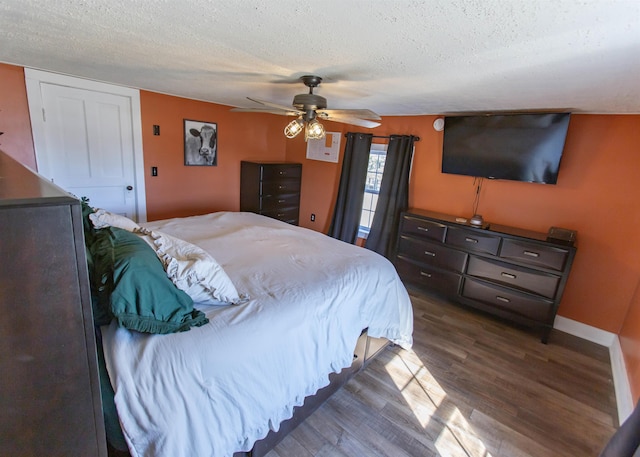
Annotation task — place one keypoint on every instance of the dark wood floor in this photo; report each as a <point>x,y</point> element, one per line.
<point>471,386</point>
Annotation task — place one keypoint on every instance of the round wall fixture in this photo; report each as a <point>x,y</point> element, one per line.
<point>438,125</point>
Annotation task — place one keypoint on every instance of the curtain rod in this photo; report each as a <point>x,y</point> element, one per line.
<point>417,138</point>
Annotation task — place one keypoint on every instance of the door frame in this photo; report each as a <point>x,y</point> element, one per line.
<point>33,79</point>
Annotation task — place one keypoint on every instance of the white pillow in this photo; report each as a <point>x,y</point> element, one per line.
<point>192,269</point>
<point>103,218</point>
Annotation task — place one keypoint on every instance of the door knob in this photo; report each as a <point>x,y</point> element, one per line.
<point>129,187</point>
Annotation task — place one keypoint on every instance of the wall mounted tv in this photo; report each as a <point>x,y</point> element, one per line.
<point>518,147</point>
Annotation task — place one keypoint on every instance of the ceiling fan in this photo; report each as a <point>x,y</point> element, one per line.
<point>309,108</point>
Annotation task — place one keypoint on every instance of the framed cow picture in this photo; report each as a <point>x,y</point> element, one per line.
<point>200,143</point>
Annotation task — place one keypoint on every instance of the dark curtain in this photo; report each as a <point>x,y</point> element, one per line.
<point>393,197</point>
<point>348,208</point>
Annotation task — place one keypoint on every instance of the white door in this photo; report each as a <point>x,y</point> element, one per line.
<point>86,144</point>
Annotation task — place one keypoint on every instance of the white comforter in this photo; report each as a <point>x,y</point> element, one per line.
<point>218,388</point>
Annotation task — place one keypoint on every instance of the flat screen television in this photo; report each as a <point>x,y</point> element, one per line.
<point>518,147</point>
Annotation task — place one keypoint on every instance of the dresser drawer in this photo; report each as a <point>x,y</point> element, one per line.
<point>533,308</point>
<point>423,228</point>
<point>429,278</point>
<point>433,254</point>
<point>471,240</point>
<point>270,202</point>
<point>513,276</point>
<point>284,186</point>
<point>278,171</point>
<point>289,215</point>
<point>534,254</point>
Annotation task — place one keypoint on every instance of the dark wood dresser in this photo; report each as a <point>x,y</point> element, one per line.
<point>49,394</point>
<point>509,272</point>
<point>271,189</point>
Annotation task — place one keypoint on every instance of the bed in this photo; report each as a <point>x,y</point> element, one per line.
<point>291,307</point>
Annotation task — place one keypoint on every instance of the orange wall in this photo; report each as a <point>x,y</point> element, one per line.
<point>14,116</point>
<point>596,193</point>
<point>181,190</point>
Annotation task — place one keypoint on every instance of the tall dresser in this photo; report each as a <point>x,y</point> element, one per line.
<point>49,389</point>
<point>271,189</point>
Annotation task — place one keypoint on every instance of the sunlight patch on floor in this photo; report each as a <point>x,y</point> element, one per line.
<point>415,382</point>
<point>458,438</point>
<point>440,418</point>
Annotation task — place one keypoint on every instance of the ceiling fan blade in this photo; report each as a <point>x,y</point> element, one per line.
<point>361,113</point>
<point>349,120</point>
<point>275,105</point>
<point>290,112</point>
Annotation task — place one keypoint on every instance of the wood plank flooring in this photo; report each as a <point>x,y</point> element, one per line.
<point>472,386</point>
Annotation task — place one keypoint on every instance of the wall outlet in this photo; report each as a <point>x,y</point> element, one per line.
<point>313,217</point>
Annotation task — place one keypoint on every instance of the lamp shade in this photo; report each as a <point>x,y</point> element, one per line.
<point>315,130</point>
<point>293,128</point>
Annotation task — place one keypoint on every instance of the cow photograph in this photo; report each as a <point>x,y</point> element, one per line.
<point>200,143</point>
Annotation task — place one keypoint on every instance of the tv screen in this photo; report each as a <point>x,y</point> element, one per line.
<point>517,147</point>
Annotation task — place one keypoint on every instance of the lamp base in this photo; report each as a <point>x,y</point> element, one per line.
<point>476,220</point>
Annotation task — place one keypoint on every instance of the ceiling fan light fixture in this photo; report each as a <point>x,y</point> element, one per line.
<point>315,130</point>
<point>293,128</point>
<point>308,108</point>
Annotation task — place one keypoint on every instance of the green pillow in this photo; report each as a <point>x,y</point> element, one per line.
<point>132,285</point>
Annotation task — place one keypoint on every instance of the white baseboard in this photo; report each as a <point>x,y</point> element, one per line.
<point>624,399</point>
<point>584,331</point>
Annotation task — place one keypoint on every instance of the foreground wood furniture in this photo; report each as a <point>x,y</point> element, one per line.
<point>271,189</point>
<point>49,395</point>
<point>509,272</point>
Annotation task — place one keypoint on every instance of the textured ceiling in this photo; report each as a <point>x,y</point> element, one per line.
<point>398,57</point>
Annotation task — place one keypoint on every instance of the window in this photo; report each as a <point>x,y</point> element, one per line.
<point>377,157</point>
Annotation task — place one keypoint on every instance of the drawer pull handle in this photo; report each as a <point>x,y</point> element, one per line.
<point>281,201</point>
<point>424,229</point>
<point>508,275</point>
<point>531,254</point>
<point>426,275</point>
<point>280,214</point>
<point>471,240</point>
<point>432,254</point>
<point>282,173</point>
<point>503,299</point>
<point>281,187</point>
